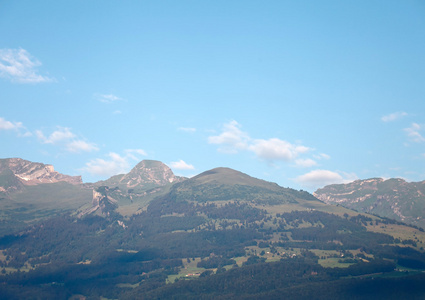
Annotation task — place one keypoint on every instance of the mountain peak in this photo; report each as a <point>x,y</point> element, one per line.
<point>146,174</point>
<point>149,172</point>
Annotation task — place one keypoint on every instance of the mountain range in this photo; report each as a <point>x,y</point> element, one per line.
<point>222,234</point>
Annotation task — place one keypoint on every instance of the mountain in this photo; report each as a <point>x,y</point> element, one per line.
<point>16,172</point>
<point>224,184</point>
<point>132,192</point>
<point>219,235</point>
<point>145,175</point>
<point>30,191</point>
<point>392,198</point>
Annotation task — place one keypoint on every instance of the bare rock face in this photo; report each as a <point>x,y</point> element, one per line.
<point>149,172</point>
<point>146,174</point>
<point>31,173</point>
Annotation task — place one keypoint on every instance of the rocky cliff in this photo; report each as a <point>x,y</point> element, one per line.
<point>15,172</point>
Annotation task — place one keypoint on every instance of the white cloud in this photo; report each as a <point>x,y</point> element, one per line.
<point>394,116</point>
<point>322,156</point>
<point>276,149</point>
<point>114,165</point>
<point>19,66</point>
<point>413,133</point>
<point>61,134</point>
<point>181,165</point>
<point>319,178</point>
<point>78,146</point>
<point>7,125</point>
<point>132,153</point>
<point>18,127</point>
<point>137,151</point>
<point>107,98</point>
<point>186,129</point>
<point>232,138</point>
<point>305,163</point>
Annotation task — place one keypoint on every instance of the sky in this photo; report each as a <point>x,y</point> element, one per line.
<point>301,93</point>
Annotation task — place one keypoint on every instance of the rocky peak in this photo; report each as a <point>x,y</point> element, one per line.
<point>149,172</point>
<point>32,173</point>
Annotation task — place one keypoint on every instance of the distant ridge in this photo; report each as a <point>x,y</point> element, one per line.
<point>392,198</point>
<point>15,172</point>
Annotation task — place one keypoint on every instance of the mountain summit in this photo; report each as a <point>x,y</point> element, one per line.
<point>224,184</point>
<point>145,175</point>
<point>227,176</point>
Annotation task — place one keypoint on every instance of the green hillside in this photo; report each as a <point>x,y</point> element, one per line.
<point>219,235</point>
<point>224,184</point>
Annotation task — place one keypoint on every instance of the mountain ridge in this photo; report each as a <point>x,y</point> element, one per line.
<point>392,198</point>
<point>30,173</point>
<point>221,234</point>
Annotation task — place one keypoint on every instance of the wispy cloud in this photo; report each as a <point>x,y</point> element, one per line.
<point>305,163</point>
<point>114,164</point>
<point>181,165</point>
<point>135,153</point>
<point>18,127</point>
<point>78,146</point>
<point>107,98</point>
<point>8,125</point>
<point>233,140</point>
<point>394,116</point>
<point>319,178</point>
<point>322,156</point>
<point>276,149</point>
<point>187,129</point>
<point>19,66</point>
<point>62,133</point>
<point>63,136</point>
<point>414,134</point>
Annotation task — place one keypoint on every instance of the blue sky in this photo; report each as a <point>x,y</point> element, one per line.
<point>301,93</point>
